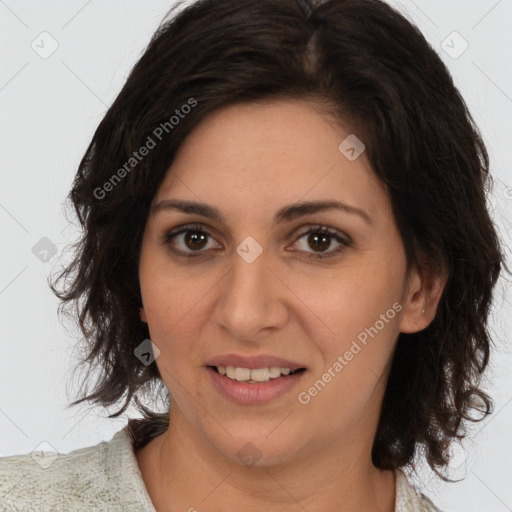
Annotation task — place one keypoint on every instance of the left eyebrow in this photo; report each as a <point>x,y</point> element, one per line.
<point>287,213</point>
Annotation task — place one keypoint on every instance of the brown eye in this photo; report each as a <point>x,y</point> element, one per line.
<point>195,239</point>
<point>192,241</point>
<point>188,241</point>
<point>320,239</point>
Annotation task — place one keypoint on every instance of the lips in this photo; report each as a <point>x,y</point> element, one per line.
<point>243,380</point>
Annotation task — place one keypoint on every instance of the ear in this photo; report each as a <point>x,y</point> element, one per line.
<point>143,314</point>
<point>421,298</point>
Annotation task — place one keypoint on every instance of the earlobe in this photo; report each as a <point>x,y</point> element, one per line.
<point>143,315</point>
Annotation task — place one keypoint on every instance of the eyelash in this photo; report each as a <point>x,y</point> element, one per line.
<point>317,229</point>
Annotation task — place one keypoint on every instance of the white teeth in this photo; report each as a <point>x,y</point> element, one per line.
<point>242,374</point>
<point>275,372</point>
<point>254,375</point>
<point>261,374</point>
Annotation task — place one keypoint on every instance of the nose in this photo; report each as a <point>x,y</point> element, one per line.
<point>252,299</point>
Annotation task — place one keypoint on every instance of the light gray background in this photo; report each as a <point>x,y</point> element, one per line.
<point>50,108</point>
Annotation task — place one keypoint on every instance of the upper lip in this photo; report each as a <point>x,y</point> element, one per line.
<point>261,361</point>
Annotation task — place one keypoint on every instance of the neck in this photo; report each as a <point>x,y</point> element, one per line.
<point>182,471</point>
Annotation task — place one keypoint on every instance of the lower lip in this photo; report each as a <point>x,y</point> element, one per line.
<point>253,394</point>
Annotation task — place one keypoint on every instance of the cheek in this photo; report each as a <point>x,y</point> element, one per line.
<point>362,314</point>
<point>344,304</point>
<point>175,311</point>
<point>353,366</point>
<point>170,298</point>
<point>361,338</point>
<point>172,323</point>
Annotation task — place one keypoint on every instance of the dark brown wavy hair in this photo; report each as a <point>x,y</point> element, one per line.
<point>370,68</point>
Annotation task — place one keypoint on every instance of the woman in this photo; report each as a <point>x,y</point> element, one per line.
<point>285,226</point>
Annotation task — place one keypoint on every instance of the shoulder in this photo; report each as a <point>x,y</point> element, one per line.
<point>408,499</point>
<point>101,477</point>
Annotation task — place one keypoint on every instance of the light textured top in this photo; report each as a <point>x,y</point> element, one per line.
<point>106,477</point>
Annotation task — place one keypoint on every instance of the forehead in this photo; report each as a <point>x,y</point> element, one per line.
<point>256,155</point>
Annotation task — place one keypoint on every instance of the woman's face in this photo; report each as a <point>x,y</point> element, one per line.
<point>254,285</point>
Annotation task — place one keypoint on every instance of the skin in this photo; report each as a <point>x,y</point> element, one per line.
<point>249,160</point>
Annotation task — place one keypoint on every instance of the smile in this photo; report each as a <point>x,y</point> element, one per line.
<point>254,386</point>
<point>254,375</point>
